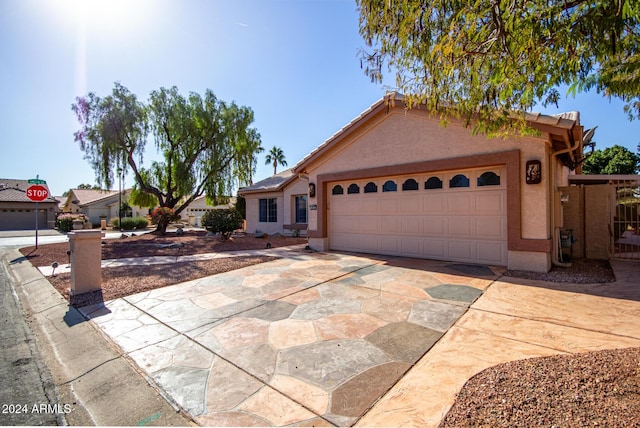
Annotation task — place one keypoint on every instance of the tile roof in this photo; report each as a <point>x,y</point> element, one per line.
<point>89,196</point>
<point>14,190</point>
<point>273,183</point>
<point>563,121</point>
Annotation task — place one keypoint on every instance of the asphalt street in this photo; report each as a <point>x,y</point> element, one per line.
<point>27,392</point>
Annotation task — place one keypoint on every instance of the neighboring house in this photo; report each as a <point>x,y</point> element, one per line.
<point>100,205</point>
<point>198,207</point>
<point>396,182</point>
<point>17,212</point>
<point>277,204</point>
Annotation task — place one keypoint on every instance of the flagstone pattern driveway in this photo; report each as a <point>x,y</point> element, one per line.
<point>306,339</point>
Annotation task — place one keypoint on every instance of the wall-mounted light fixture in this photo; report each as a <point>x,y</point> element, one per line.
<point>312,190</point>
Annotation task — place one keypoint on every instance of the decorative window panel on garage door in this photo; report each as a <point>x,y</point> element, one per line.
<point>463,220</point>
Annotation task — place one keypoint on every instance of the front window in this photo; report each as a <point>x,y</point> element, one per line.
<point>268,210</point>
<point>301,209</point>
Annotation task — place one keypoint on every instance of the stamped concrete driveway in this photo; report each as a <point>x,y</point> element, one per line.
<point>306,339</point>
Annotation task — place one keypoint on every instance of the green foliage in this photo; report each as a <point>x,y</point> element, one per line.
<point>486,60</point>
<point>205,145</point>
<point>223,222</point>
<point>130,223</point>
<point>275,157</point>
<point>142,199</point>
<point>612,160</point>
<point>241,206</point>
<point>64,222</point>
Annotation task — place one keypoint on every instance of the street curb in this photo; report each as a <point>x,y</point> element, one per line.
<point>98,384</point>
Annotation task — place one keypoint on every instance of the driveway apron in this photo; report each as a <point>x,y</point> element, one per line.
<point>311,338</point>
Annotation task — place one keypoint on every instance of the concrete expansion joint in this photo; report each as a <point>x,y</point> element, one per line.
<point>47,309</point>
<point>80,376</point>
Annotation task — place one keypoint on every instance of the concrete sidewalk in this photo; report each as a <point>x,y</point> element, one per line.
<point>92,378</point>
<point>514,319</point>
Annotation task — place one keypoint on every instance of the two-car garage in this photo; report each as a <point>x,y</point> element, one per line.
<point>458,215</point>
<point>395,181</point>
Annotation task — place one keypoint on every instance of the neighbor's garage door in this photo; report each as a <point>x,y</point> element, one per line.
<point>21,219</point>
<point>457,215</point>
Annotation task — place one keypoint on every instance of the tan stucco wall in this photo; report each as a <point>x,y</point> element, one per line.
<point>402,138</point>
<point>253,213</point>
<point>529,261</point>
<point>296,188</point>
<point>285,201</point>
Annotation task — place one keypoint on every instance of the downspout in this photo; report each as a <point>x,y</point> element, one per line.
<point>556,229</point>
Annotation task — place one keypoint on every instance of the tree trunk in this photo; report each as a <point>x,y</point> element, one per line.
<point>161,227</point>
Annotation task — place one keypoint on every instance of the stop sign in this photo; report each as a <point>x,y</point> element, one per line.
<point>37,193</point>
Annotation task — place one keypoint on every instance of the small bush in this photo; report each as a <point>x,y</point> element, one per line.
<point>64,222</point>
<point>223,222</point>
<point>130,223</point>
<point>163,213</point>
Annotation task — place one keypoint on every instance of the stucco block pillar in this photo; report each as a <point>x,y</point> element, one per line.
<point>86,261</point>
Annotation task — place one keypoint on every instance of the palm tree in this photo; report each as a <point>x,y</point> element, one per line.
<point>275,157</point>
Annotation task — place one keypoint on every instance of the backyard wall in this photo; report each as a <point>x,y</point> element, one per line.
<point>589,212</point>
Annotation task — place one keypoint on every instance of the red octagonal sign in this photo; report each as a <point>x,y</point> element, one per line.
<point>37,193</point>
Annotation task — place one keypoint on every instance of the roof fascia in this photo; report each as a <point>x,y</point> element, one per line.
<point>278,188</point>
<point>556,125</point>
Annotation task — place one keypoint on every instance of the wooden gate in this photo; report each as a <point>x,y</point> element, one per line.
<point>626,222</point>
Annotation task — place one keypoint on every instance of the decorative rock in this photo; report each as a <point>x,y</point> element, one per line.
<point>179,232</point>
<point>260,234</point>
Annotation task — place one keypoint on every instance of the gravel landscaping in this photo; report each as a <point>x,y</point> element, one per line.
<point>124,281</point>
<point>600,389</point>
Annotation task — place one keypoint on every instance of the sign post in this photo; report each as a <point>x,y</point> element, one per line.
<point>37,193</point>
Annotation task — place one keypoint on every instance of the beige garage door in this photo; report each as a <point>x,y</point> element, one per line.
<point>457,215</point>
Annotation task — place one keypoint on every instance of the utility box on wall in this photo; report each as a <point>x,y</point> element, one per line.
<point>86,261</point>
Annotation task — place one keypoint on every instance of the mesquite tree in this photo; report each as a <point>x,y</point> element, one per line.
<point>206,145</point>
<point>490,61</point>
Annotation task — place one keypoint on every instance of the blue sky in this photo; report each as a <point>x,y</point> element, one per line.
<point>294,62</point>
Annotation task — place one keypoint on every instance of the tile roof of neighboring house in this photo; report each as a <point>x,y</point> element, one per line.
<point>90,196</point>
<point>13,190</point>
<point>202,200</point>
<point>270,184</point>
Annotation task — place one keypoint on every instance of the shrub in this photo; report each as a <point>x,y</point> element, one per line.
<point>64,222</point>
<point>163,214</point>
<point>130,223</point>
<point>223,222</point>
